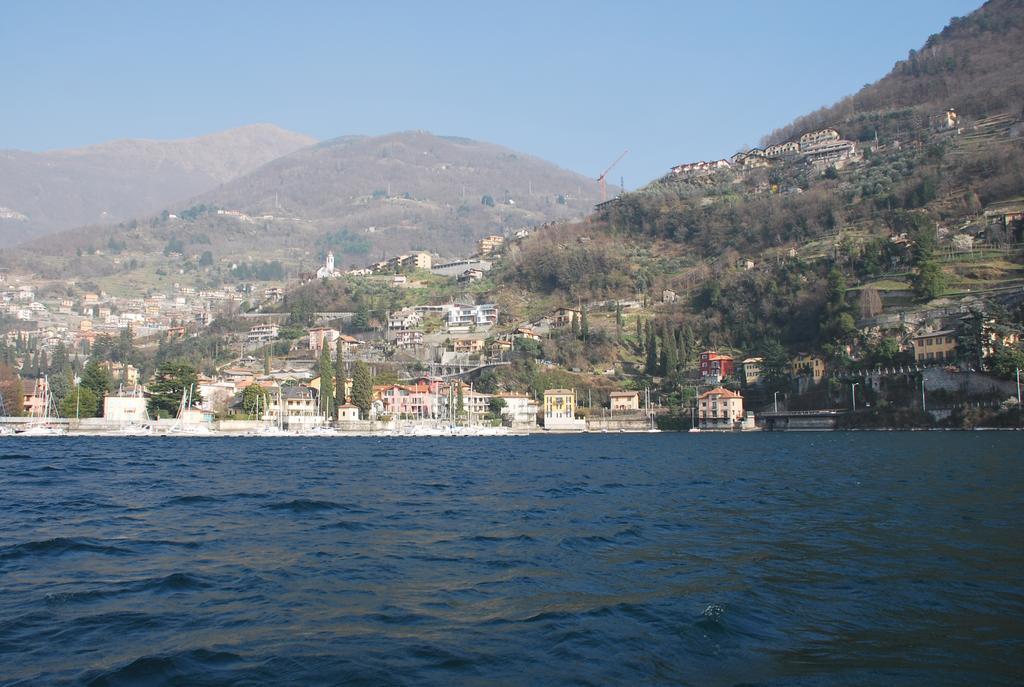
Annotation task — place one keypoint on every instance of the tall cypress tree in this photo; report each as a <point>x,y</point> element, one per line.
<point>584,324</point>
<point>339,376</point>
<point>575,326</point>
<point>651,366</point>
<point>362,388</point>
<point>326,380</point>
<point>671,351</point>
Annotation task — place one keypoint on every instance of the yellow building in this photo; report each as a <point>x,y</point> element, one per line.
<point>490,244</point>
<point>932,346</point>
<point>808,364</point>
<point>560,403</point>
<point>315,384</point>
<point>471,346</point>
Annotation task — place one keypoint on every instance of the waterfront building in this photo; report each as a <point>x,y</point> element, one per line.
<point>560,410</point>
<point>348,413</point>
<point>720,408</point>
<point>125,409</point>
<point>520,410</point>
<point>624,400</point>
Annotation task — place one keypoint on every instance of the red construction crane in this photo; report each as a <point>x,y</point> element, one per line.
<point>600,180</point>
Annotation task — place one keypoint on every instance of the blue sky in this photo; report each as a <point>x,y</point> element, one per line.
<point>571,82</point>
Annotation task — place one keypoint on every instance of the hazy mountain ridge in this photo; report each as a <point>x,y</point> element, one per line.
<point>334,179</point>
<point>361,196</point>
<point>61,189</point>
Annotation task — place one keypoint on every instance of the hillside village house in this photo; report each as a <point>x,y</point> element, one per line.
<point>501,346</point>
<point>715,366</point>
<point>408,338</point>
<point>809,365</point>
<point>317,336</point>
<point>720,408</point>
<point>752,370</point>
<point>934,346</point>
<point>262,333</point>
<point>490,244</point>
<point>469,345</point>
<point>470,276</point>
<point>624,400</point>
<point>407,318</point>
<point>473,315</point>
<point>526,333</point>
<point>563,317</point>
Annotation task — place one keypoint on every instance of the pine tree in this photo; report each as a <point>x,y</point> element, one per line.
<point>362,388</point>
<point>326,380</point>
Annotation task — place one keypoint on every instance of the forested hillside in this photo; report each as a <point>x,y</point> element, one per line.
<point>786,252</point>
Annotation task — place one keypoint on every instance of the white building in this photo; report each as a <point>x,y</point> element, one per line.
<point>478,315</point>
<point>125,409</point>
<point>328,271</point>
<point>262,333</point>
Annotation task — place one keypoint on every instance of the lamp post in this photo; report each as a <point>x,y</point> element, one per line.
<point>78,396</point>
<point>776,402</point>
<point>853,396</point>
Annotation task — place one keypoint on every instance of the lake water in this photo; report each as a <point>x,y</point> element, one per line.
<point>767,559</point>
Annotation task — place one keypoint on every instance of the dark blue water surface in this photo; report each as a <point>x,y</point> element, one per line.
<point>781,559</point>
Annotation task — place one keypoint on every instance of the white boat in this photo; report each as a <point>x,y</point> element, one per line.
<point>42,431</point>
<point>319,432</point>
<point>136,430</point>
